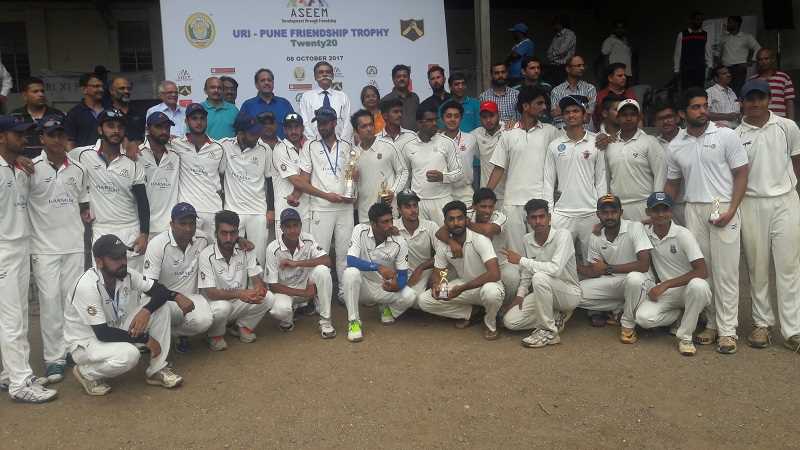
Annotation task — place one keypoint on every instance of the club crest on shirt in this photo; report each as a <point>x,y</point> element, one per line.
<point>586,154</point>
<point>562,148</point>
<point>91,310</point>
<point>635,155</point>
<point>380,156</point>
<point>147,264</point>
<point>202,275</point>
<point>673,249</point>
<point>283,167</point>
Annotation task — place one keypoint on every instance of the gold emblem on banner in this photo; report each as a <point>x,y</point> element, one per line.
<point>412,29</point>
<point>200,30</point>
<point>299,73</point>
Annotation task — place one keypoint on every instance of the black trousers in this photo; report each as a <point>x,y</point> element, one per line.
<point>693,77</point>
<point>739,76</point>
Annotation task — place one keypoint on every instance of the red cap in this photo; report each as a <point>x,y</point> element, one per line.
<point>489,105</point>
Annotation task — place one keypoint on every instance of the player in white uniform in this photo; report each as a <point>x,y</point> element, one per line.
<point>619,264</point>
<point>161,167</point>
<point>106,317</point>
<point>247,168</point>
<point>420,236</point>
<point>286,170</point>
<point>202,163</point>
<point>575,165</point>
<point>172,259</point>
<point>519,159</point>
<point>434,167</point>
<point>392,113</point>
<point>487,136</point>
<point>476,280</point>
<point>226,271</point>
<point>58,199</point>
<point>549,289</point>
<point>466,147</point>
<point>711,164</point>
<point>667,121</point>
<point>377,271</point>
<point>636,164</point>
<point>381,169</point>
<point>17,376</point>
<point>117,189</point>
<point>298,270</point>
<point>770,214</point>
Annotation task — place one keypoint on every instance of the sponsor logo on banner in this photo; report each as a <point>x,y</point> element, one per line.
<point>374,83</point>
<point>308,10</point>
<point>299,73</point>
<point>372,71</point>
<point>337,72</point>
<point>185,90</point>
<point>223,70</point>
<point>300,86</point>
<point>186,102</point>
<point>337,85</point>
<point>412,29</point>
<point>200,30</point>
<point>183,75</point>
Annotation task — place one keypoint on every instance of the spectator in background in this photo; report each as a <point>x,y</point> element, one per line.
<point>723,103</point>
<point>120,91</point>
<point>692,58</point>
<point>501,94</point>
<point>735,51</point>
<point>436,79</point>
<point>34,109</point>
<point>267,101</point>
<point>574,85</point>
<point>615,84</point>
<point>532,77</point>
<point>522,48</point>
<point>781,88</point>
<point>617,49</point>
<point>561,49</point>
<point>81,124</point>
<point>221,114</point>
<point>168,93</point>
<point>401,78</point>
<point>324,94</point>
<point>5,86</point>
<point>371,100</point>
<point>470,119</point>
<point>230,89</point>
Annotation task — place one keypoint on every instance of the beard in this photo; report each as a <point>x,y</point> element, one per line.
<point>120,273</point>
<point>500,82</point>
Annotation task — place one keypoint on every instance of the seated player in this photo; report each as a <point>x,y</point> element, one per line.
<point>420,236</point>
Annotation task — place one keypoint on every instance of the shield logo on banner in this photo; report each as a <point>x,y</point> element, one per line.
<point>337,85</point>
<point>185,90</point>
<point>200,30</point>
<point>412,29</point>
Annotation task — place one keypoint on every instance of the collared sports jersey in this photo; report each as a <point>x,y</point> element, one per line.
<point>14,186</point>
<point>199,174</point>
<point>631,240</point>
<point>215,272</point>
<point>327,166</point>
<point>556,258</point>
<point>393,252</point>
<point>673,256</point>
<point>174,268</point>
<point>579,171</point>
<point>477,250</point>
<point>436,154</point>
<point>500,241</point>
<point>293,277</point>
<point>770,150</point>
<point>161,181</point>
<point>486,148</point>
<point>404,137</point>
<point>637,167</point>
<point>285,163</point>
<point>422,243</point>
<point>466,147</point>
<point>381,163</point>
<point>246,172</point>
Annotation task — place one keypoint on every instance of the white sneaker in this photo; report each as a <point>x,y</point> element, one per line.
<point>95,388</point>
<point>354,333</point>
<point>326,331</point>
<point>561,320</point>
<point>245,335</point>
<point>165,377</point>
<point>541,338</point>
<point>217,344</point>
<point>33,392</point>
<point>286,326</point>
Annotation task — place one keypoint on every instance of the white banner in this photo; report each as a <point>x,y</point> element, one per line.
<point>362,40</point>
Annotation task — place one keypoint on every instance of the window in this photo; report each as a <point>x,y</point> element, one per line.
<point>14,52</point>
<point>135,54</point>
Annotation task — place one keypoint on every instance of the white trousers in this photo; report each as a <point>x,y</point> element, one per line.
<point>196,322</point>
<point>771,231</point>
<point>720,247</point>
<point>205,222</point>
<point>490,296</point>
<point>635,211</point>
<point>464,193</point>
<point>253,227</point>
<point>516,226</point>
<point>421,286</point>
<point>358,289</point>
<point>320,276</point>
<point>580,227</point>
<point>127,235</point>
<point>679,213</point>
<point>431,209</point>
<point>509,276</point>
<point>336,226</point>
<point>237,312</point>
<point>692,299</point>
<point>101,360</point>
<point>612,292</point>
<point>55,276</point>
<point>14,279</point>
<point>548,296</point>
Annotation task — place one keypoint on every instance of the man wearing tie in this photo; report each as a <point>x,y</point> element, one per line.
<point>325,95</point>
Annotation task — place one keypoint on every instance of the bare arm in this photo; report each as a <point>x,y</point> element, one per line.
<point>495,177</point>
<point>673,187</point>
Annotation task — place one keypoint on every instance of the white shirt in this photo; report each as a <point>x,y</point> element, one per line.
<point>477,251</point>
<point>562,48</point>
<point>110,186</point>
<point>735,48</point>
<point>54,206</point>
<point>14,185</point>
<point>421,243</point>
<point>178,116</point>
<point>215,272</point>
<point>293,277</point>
<point>466,147</point>
<point>246,173</point>
<point>522,154</point>
<point>705,163</point>
<point>673,256</point>
<point>380,164</point>
<point>618,51</point>
<point>326,167</point>
<point>679,200</point>
<point>486,147</point>
<point>723,100</point>
<point>637,167</point>
<point>6,82</point>
<point>579,170</point>
<point>556,258</point>
<point>199,174</point>
<point>405,136</point>
<point>393,252</point>
<point>162,182</point>
<point>90,304</point>
<point>174,268</point>
<point>340,102</point>
<point>499,241</point>
<point>285,163</point>
<point>631,240</point>
<point>770,150</point>
<point>436,154</point>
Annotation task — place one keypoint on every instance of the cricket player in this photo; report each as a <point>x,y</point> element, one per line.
<point>519,160</point>
<point>575,165</point>
<point>667,123</point>
<point>618,265</point>
<point>420,236</point>
<point>549,289</point>
<point>58,200</point>
<point>377,271</point>
<point>711,165</point>
<point>476,280</point>
<point>487,136</point>
<point>286,167</point>
<point>452,112</point>
<point>770,214</point>
<point>15,231</point>
<point>392,113</point>
<point>230,278</point>
<point>381,169</point>
<point>106,317</point>
<point>202,163</point>
<point>433,165</point>
<point>161,166</point>
<point>298,270</point>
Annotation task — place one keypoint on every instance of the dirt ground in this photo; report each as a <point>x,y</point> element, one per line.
<point>424,384</point>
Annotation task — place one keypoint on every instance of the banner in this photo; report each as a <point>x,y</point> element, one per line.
<point>362,40</point>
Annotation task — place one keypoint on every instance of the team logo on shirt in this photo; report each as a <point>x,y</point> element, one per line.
<point>673,249</point>
<point>202,276</point>
<point>635,155</point>
<point>412,29</point>
<point>125,290</point>
<point>283,167</point>
<point>147,264</point>
<point>562,148</point>
<point>91,310</point>
<point>200,30</point>
<point>586,154</point>
<point>124,173</point>
<point>711,146</point>
<point>380,156</point>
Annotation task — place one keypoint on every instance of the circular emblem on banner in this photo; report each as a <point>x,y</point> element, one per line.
<point>200,30</point>
<point>299,73</point>
<point>372,71</point>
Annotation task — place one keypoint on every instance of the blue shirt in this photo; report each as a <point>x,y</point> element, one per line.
<point>279,106</point>
<point>471,118</point>
<point>220,120</point>
<point>523,48</point>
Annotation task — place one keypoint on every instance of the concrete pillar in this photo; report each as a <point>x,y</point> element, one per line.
<point>483,44</point>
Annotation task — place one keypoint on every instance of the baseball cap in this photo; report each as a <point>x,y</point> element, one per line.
<point>159,118</point>
<point>109,115</point>
<point>289,214</point>
<point>755,85</point>
<point>659,198</point>
<point>15,122</point>
<point>628,102</point>
<point>569,100</point>
<point>266,116</point>
<point>51,123</point>
<point>195,107</point>
<point>405,196</point>
<point>110,246</point>
<point>292,118</point>
<point>488,105</point>
<point>609,200</point>
<point>324,113</point>
<point>183,209</point>
<point>247,123</point>
<point>520,27</point>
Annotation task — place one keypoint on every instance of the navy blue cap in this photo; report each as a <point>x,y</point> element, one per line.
<point>755,85</point>
<point>405,196</point>
<point>293,118</point>
<point>195,107</point>
<point>520,27</point>
<point>569,100</point>
<point>15,122</point>
<point>109,115</point>
<point>324,113</point>
<point>609,200</point>
<point>659,198</point>
<point>109,245</point>
<point>183,209</point>
<point>266,116</point>
<point>51,123</point>
<point>289,214</point>
<point>159,118</point>
<point>247,123</point>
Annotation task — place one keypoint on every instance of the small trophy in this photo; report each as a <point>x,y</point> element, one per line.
<point>444,290</point>
<point>384,193</point>
<point>714,211</point>
<point>349,170</point>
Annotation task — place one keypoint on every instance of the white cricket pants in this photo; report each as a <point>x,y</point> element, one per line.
<point>320,276</point>
<point>516,226</point>
<point>771,230</point>
<point>421,286</point>
<point>127,235</point>
<point>55,276</point>
<point>679,213</point>
<point>548,296</point>
<point>509,276</point>
<point>579,226</point>
<point>692,299</point>
<point>635,211</point>
<point>205,222</point>
<point>196,322</point>
<point>14,346</point>
<point>253,227</point>
<point>431,209</point>
<point>359,289</point>
<point>336,226</point>
<point>243,314</point>
<point>612,292</point>
<point>490,296</point>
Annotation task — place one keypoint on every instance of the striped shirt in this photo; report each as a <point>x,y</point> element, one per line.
<point>506,104</point>
<point>781,91</point>
<point>562,90</point>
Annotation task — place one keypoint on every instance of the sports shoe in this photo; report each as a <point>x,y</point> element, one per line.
<point>354,331</point>
<point>759,337</point>
<point>34,392</point>
<point>54,373</point>
<point>598,320</point>
<point>628,335</point>
<point>4,385</point>
<point>706,337</point>
<point>726,345</point>
<point>386,316</point>
<point>793,343</point>
<point>182,345</point>
<point>541,338</point>
<point>686,347</point>
<point>326,331</point>
<point>95,388</point>
<point>246,335</point>
<point>490,335</point>
<point>286,326</point>
<point>217,343</point>
<point>561,320</point>
<point>41,381</point>
<point>165,377</point>
<point>309,309</point>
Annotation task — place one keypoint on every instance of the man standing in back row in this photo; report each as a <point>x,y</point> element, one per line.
<point>324,95</point>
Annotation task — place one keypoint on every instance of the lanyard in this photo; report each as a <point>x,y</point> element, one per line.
<point>332,165</point>
<point>115,304</point>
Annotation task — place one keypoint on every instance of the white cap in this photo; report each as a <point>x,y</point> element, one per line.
<point>628,102</point>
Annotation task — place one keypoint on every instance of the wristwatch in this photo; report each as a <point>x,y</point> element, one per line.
<point>609,270</point>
